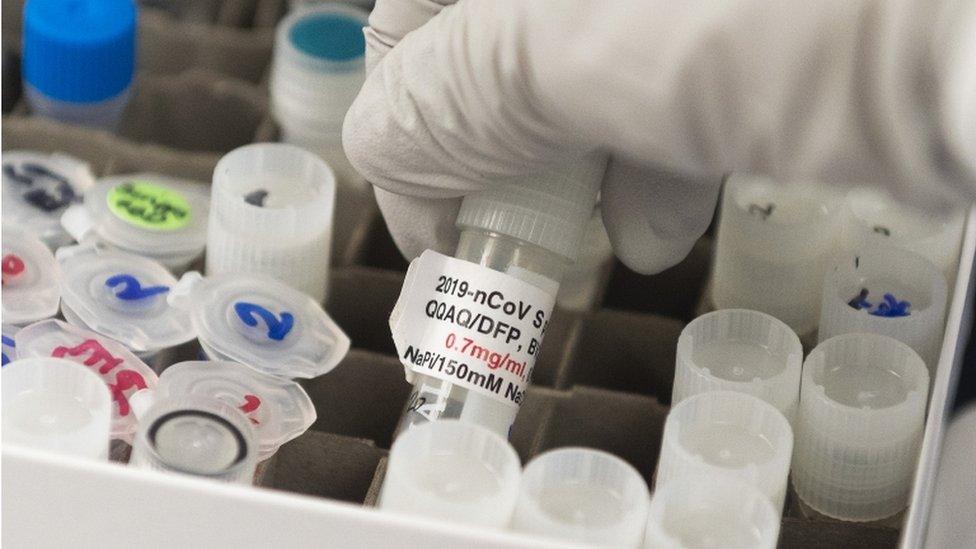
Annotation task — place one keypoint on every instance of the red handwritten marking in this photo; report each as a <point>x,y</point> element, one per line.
<point>98,354</point>
<point>251,403</point>
<point>12,266</point>
<point>125,380</point>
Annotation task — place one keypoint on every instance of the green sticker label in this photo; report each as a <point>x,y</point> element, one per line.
<point>149,206</point>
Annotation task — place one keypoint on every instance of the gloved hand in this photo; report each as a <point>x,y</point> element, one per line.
<point>677,93</point>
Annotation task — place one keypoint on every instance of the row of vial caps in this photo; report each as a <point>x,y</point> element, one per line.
<point>741,422</point>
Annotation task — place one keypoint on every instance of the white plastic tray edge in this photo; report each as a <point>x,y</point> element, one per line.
<point>958,325</point>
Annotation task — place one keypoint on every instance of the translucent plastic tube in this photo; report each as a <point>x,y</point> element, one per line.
<point>739,350</point>
<point>861,415</point>
<point>711,511</point>
<point>887,291</point>
<point>773,248</point>
<point>56,405</point>
<point>727,433</point>
<point>454,471</point>
<point>582,495</point>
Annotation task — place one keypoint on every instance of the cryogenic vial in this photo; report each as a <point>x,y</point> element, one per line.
<point>79,59</point>
<point>888,291</point>
<point>273,206</point>
<point>859,427</point>
<point>743,351</point>
<point>120,370</point>
<point>773,247</point>
<point>259,321</point>
<point>468,329</point>
<point>38,187</point>
<point>9,344</point>
<point>452,471</point>
<point>583,284</point>
<point>55,405</point>
<point>151,215</point>
<point>196,435</point>
<point>122,296</point>
<point>728,433</point>
<point>31,278</point>
<point>278,409</point>
<point>582,495</point>
<point>317,70</point>
<point>874,218</point>
<point>711,511</point>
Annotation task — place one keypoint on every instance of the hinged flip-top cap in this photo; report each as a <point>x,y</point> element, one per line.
<point>550,209</point>
<point>123,296</point>
<point>148,214</point>
<point>261,322</point>
<point>278,409</point>
<point>30,278</point>
<point>121,370</point>
<point>38,187</point>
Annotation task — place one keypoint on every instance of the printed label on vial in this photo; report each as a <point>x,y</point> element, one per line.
<point>472,326</point>
<point>149,206</point>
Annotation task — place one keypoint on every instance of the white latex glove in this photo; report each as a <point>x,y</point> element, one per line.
<point>865,91</point>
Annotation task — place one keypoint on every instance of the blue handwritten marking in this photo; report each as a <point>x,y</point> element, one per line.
<point>891,307</point>
<point>133,290</point>
<point>9,342</point>
<point>278,326</point>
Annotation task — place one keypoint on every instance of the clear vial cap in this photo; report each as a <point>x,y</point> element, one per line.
<point>740,350</point>
<point>119,369</point>
<point>454,471</point>
<point>196,435</point>
<point>583,495</point>
<point>30,278</point>
<point>147,214</point>
<point>9,344</point>
<point>278,409</point>
<point>874,218</point>
<point>887,291</point>
<point>861,415</point>
<point>56,405</point>
<point>273,209</point>
<point>773,247</point>
<point>38,187</point>
<point>123,296</point>
<point>703,512</point>
<point>261,322</point>
<point>728,433</point>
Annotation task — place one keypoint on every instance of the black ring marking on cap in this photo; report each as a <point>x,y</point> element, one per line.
<point>165,418</point>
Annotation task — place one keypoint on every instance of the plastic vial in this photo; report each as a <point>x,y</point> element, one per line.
<point>56,405</point>
<point>728,433</point>
<point>196,435</point>
<point>452,471</point>
<point>31,278</point>
<point>887,291</point>
<point>259,321</point>
<point>704,512</point>
<point>583,495</point>
<point>530,230</point>
<point>278,409</point>
<point>317,70</point>
<point>120,370</point>
<point>774,245</point>
<point>37,189</point>
<point>272,213</point>
<point>874,218</point>
<point>146,214</point>
<point>122,296</point>
<point>861,416</point>
<point>743,351</point>
<point>79,59</point>
<point>583,284</point>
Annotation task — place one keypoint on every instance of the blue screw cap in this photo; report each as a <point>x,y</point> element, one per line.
<point>79,51</point>
<point>331,36</point>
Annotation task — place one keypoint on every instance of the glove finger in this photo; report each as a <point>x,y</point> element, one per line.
<point>654,216</point>
<point>391,20</point>
<point>418,224</point>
